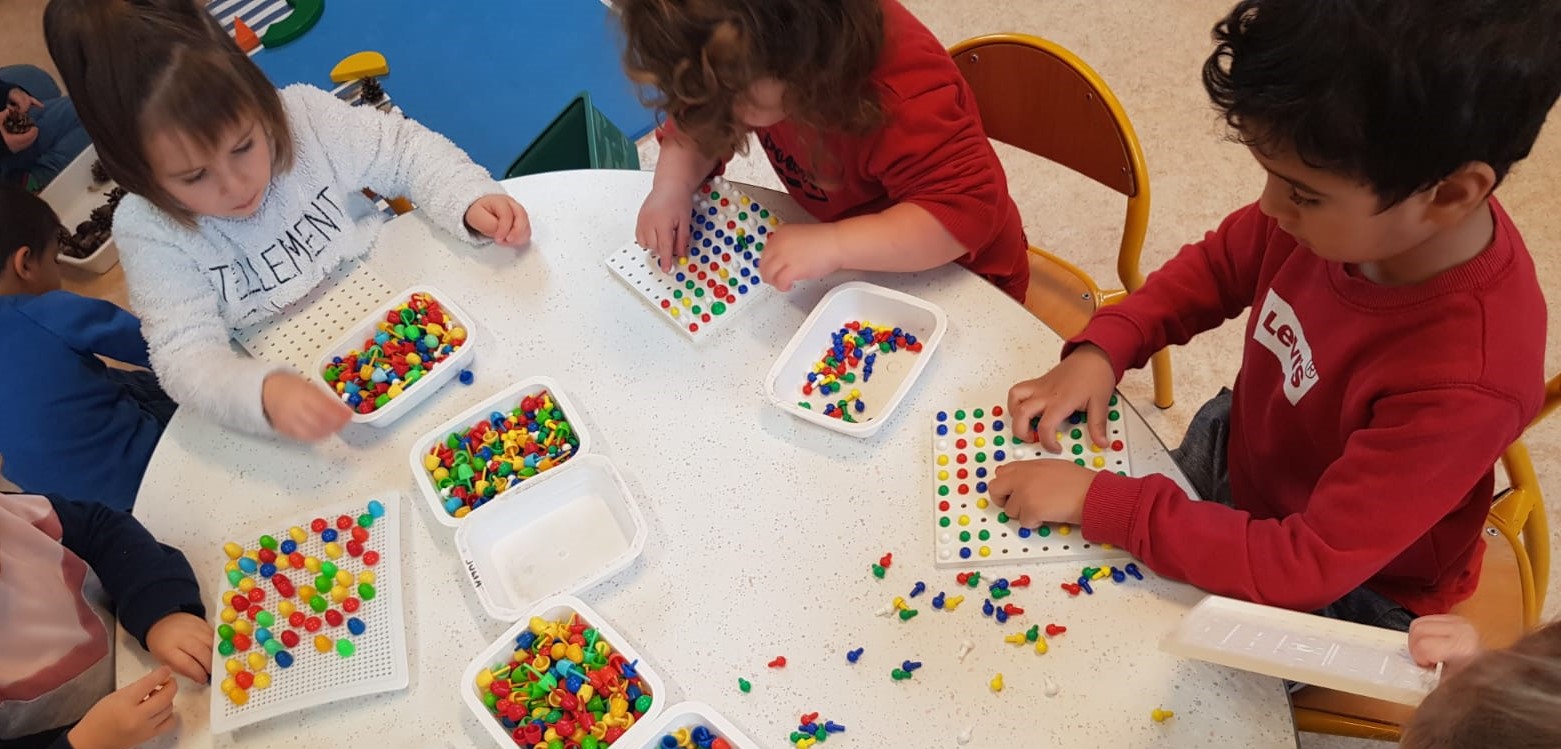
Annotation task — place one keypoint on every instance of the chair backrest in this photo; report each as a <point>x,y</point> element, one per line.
<point>1038,96</point>
<point>1519,515</point>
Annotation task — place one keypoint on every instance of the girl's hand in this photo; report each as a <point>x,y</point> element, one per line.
<point>662,226</point>
<point>183,643</point>
<point>800,252</point>
<point>299,409</point>
<point>500,218</point>
<point>130,716</point>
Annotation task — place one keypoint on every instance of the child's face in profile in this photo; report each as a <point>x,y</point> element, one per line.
<point>1338,218</point>
<point>763,106</point>
<point>228,181</point>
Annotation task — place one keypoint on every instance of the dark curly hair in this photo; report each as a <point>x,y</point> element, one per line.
<point>695,59</point>
<point>1397,93</point>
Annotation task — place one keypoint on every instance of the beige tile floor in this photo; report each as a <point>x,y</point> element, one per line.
<point>1150,52</point>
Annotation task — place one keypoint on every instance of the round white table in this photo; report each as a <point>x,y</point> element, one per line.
<point>762,527</point>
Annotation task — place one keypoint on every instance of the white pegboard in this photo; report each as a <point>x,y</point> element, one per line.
<point>298,334</point>
<point>380,661</point>
<point>968,444</point>
<point>727,232</point>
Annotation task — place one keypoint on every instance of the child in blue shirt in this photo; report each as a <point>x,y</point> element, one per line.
<point>73,425</point>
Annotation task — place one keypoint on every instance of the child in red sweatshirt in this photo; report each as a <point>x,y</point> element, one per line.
<point>1396,340</point>
<point>864,116</point>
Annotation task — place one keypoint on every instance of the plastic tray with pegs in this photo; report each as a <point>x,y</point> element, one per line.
<point>720,275</point>
<point>968,444</point>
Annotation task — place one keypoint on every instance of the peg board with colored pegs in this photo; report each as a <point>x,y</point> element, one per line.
<point>720,274</point>
<point>968,444</point>
<point>378,659</point>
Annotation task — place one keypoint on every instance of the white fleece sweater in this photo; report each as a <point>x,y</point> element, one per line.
<point>194,287</point>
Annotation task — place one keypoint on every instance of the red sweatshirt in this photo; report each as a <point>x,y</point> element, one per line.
<point>931,152</point>
<point>1365,424</point>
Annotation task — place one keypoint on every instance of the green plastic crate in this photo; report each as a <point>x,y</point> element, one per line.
<point>580,137</point>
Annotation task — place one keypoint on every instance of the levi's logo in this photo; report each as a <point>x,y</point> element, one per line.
<point>1280,332</point>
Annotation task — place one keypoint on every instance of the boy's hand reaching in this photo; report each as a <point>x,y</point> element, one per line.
<point>500,218</point>
<point>183,643</point>
<point>130,716</point>
<point>1082,382</point>
<point>662,226</point>
<point>800,252</point>
<point>1041,491</point>
<point>1443,638</point>
<point>299,409</point>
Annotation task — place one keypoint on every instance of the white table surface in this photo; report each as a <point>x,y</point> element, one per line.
<point>762,527</point>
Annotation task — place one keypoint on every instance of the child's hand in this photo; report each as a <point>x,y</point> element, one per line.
<point>1041,491</point>
<point>501,218</point>
<point>1443,638</point>
<point>299,409</point>
<point>1082,382</point>
<point>130,716</point>
<point>662,226</point>
<point>183,643</point>
<point>800,252</point>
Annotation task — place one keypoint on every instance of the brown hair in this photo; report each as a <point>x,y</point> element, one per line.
<point>137,67</point>
<point>1503,698</point>
<point>695,59</point>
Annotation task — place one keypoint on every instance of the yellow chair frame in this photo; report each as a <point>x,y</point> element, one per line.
<point>1518,516</point>
<point>1069,116</point>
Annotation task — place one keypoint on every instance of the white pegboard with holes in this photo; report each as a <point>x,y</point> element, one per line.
<point>378,662</point>
<point>298,334</point>
<point>719,276</point>
<point>968,444</point>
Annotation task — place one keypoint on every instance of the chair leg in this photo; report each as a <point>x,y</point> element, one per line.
<point>1160,368</point>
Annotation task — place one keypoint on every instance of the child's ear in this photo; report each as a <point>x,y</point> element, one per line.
<point>20,261</point>
<point>1461,192</point>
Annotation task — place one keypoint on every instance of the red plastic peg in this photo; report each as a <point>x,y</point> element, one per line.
<point>1052,630</point>
<point>779,662</point>
<point>1022,581</point>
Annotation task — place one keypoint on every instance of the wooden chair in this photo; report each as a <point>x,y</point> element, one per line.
<point>1038,96</point>
<point>1508,602</point>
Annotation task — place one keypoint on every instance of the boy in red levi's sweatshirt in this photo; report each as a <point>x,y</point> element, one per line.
<point>864,116</point>
<point>1396,337</point>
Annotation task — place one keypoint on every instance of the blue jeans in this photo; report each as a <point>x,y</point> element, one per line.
<point>61,138</point>
<point>1202,457</point>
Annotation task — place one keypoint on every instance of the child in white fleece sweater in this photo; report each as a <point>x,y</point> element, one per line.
<point>243,198</point>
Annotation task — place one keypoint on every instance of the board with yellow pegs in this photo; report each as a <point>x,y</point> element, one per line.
<point>310,613</point>
<point>719,276</point>
<point>968,444</point>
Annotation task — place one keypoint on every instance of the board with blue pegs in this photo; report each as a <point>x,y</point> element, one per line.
<point>968,444</point>
<point>719,276</point>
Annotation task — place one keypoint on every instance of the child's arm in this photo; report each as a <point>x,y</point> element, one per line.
<point>146,580</point>
<point>662,226</point>
<point>1207,283</point>
<point>393,155</point>
<point>90,326</point>
<point>1405,472</point>
<point>190,348</point>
